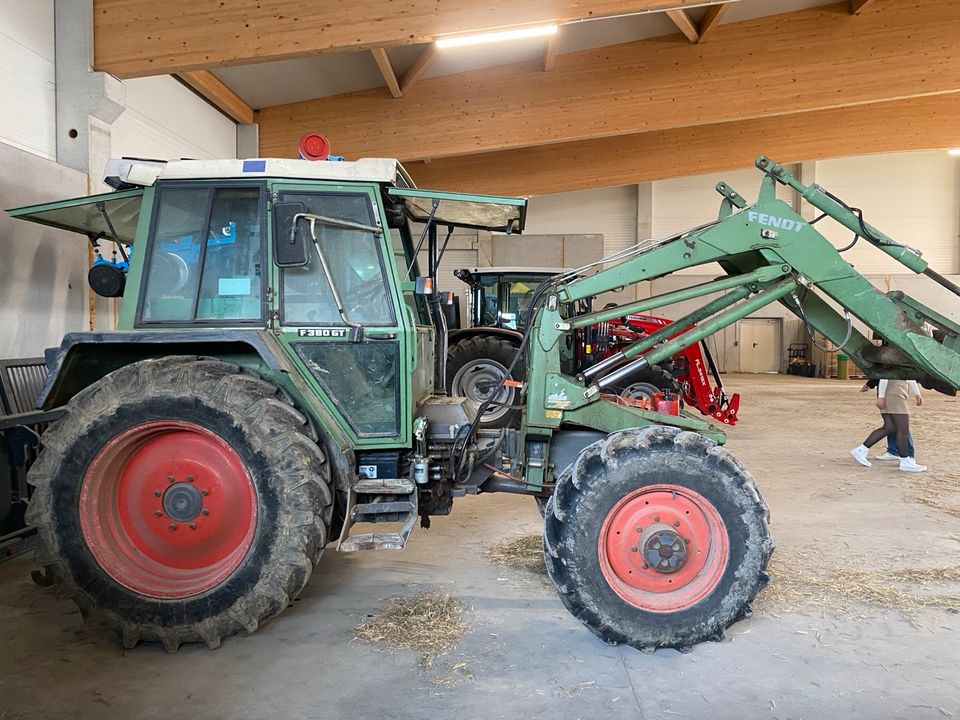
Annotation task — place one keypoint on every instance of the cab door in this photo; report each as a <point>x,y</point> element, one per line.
<point>340,314</point>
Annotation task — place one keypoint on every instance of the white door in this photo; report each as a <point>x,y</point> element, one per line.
<point>760,345</point>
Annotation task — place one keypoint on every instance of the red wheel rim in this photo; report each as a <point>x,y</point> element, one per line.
<point>168,509</point>
<point>669,526</point>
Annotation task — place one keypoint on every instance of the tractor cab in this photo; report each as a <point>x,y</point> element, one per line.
<point>302,267</point>
<point>500,296</point>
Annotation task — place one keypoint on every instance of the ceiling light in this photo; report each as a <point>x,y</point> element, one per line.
<point>954,151</point>
<point>462,40</point>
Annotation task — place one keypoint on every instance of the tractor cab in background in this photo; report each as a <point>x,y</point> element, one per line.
<point>499,299</point>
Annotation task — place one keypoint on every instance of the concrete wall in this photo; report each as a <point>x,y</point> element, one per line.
<point>28,120</point>
<point>43,290</point>
<point>167,121</point>
<point>43,287</point>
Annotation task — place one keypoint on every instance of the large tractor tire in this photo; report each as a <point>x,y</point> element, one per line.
<point>475,365</point>
<point>180,500</point>
<point>657,537</point>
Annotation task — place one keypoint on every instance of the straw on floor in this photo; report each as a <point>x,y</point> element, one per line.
<point>430,623</point>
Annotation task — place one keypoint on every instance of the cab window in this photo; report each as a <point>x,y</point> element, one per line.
<point>353,260</point>
<point>205,259</point>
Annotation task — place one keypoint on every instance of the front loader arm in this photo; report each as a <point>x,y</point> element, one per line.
<point>770,254</point>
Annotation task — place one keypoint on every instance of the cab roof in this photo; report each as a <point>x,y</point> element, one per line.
<point>134,172</point>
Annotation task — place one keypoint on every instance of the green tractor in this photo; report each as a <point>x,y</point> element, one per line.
<point>276,384</point>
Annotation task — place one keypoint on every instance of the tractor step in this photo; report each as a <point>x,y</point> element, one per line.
<point>374,541</point>
<point>383,486</point>
<point>393,500</point>
<point>372,512</point>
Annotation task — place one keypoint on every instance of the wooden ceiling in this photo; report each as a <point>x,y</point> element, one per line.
<point>136,38</point>
<point>854,77</point>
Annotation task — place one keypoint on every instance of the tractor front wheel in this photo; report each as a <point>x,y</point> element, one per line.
<point>657,537</point>
<point>180,500</point>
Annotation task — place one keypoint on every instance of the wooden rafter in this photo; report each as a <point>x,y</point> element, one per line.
<point>710,21</point>
<point>209,86</point>
<point>386,70</point>
<point>858,5</point>
<point>515,106</point>
<point>683,22</point>
<point>895,126</point>
<point>550,52</point>
<point>134,38</point>
<point>419,66</point>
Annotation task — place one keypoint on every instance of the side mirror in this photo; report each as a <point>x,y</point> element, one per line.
<point>396,218</point>
<point>291,241</point>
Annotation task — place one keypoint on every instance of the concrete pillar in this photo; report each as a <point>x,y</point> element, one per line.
<point>805,172</point>
<point>644,229</point>
<point>87,104</point>
<point>87,101</point>
<point>248,141</point>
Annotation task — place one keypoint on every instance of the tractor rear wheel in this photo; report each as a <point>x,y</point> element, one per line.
<point>657,537</point>
<point>475,366</point>
<point>180,500</point>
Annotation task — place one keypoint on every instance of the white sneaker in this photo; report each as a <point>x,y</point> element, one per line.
<point>860,455</point>
<point>910,465</point>
<point>887,456</point>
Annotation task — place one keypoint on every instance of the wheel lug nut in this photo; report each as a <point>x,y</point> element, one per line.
<point>204,492</point>
<point>656,518</point>
<point>172,526</point>
<point>633,549</point>
<point>205,511</point>
<point>639,528</point>
<point>646,567</point>
<point>687,540</point>
<point>676,523</point>
<point>156,493</point>
<point>189,478</point>
<point>158,513</point>
<point>193,526</point>
<point>170,478</point>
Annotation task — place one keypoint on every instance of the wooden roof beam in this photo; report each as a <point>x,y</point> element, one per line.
<point>900,125</point>
<point>550,52</point>
<point>209,87</point>
<point>710,21</point>
<point>684,24</point>
<point>386,70</point>
<point>419,66</point>
<point>858,5</point>
<point>908,50</point>
<point>135,38</point>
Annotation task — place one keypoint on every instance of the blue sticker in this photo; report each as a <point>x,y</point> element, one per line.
<point>254,166</point>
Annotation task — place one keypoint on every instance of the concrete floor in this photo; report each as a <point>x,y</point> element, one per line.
<point>525,657</point>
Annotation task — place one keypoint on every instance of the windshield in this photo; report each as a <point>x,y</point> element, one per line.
<point>353,259</point>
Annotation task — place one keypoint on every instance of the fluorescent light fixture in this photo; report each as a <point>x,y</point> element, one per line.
<point>954,151</point>
<point>461,40</point>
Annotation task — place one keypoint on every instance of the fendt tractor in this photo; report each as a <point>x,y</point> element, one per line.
<point>479,354</point>
<point>276,384</point>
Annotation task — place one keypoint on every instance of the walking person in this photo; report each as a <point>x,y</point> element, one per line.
<point>891,452</point>
<point>892,399</point>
